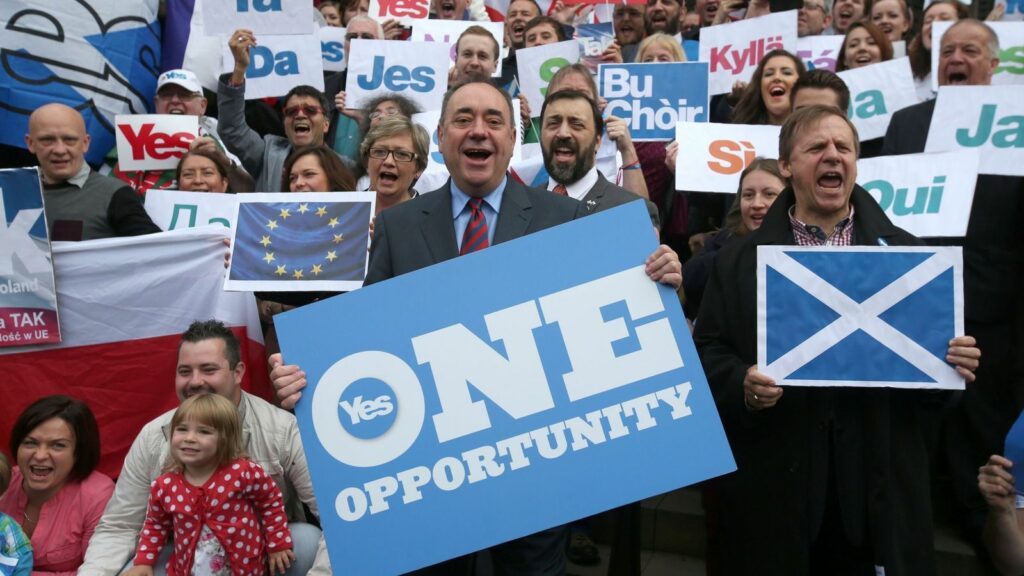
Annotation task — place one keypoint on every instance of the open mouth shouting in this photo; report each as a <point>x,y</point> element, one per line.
<point>447,10</point>
<point>863,58</point>
<point>564,151</point>
<point>956,76</point>
<point>831,182</point>
<point>777,91</point>
<point>39,473</point>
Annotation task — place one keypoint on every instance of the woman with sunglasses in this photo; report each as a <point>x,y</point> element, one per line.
<point>394,154</point>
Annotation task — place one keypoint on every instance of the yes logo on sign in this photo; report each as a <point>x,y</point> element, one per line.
<point>405,11</point>
<point>711,156</point>
<point>654,97</point>
<point>986,118</point>
<point>416,70</point>
<point>154,141</point>
<point>367,408</point>
<point>920,192</point>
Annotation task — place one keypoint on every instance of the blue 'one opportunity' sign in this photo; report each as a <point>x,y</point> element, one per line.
<point>499,394</point>
<point>652,98</point>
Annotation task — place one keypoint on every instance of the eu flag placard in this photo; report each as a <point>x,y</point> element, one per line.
<point>301,241</point>
<point>868,316</point>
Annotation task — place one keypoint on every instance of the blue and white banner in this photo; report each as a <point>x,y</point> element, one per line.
<point>279,63</point>
<point>653,98</point>
<point>416,70</point>
<point>28,296</point>
<point>865,316</point>
<point>594,39</point>
<point>100,57</point>
<point>498,394</point>
<point>306,241</point>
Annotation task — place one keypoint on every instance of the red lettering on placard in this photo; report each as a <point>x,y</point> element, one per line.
<point>404,8</point>
<point>155,145</point>
<point>734,156</point>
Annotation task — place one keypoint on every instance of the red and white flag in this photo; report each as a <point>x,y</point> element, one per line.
<point>124,303</point>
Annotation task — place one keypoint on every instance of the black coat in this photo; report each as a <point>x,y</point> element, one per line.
<point>767,515</point>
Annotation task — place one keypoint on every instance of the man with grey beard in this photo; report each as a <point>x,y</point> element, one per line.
<point>571,127</point>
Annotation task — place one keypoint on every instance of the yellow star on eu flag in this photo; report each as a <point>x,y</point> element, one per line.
<point>331,256</point>
<point>268,257</point>
<point>281,270</point>
<point>338,238</point>
<point>285,213</point>
<point>297,274</point>
<point>321,211</point>
<point>317,269</point>
<point>265,241</point>
<point>272,224</point>
<point>333,222</point>
<point>303,208</point>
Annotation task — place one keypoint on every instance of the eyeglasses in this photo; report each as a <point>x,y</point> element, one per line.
<point>810,6</point>
<point>183,96</point>
<point>388,112</point>
<point>358,36</point>
<point>293,111</point>
<point>400,155</point>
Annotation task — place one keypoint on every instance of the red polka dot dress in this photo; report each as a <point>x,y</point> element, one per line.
<point>240,504</point>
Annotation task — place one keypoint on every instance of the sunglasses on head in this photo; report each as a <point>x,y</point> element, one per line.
<point>293,111</point>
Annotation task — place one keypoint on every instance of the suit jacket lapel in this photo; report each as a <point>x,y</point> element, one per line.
<point>437,226</point>
<point>592,200</point>
<point>515,214</point>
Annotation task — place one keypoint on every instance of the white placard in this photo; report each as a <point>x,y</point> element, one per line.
<point>876,92</point>
<point>1013,10</point>
<point>332,47</point>
<point>450,30</point>
<point>734,50</point>
<point>278,64</point>
<point>222,17</point>
<point>819,52</point>
<point>1011,48</point>
<point>416,70</point>
<point>538,65</point>
<point>899,49</point>
<point>927,195</point>
<point>988,118</point>
<point>153,141</point>
<point>405,11</point>
<point>173,209</point>
<point>711,156</point>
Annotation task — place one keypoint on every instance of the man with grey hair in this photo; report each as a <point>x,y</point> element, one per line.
<point>993,256</point>
<point>813,18</point>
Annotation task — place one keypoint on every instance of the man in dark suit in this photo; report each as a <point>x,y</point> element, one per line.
<point>571,128</point>
<point>993,256</point>
<point>478,206</point>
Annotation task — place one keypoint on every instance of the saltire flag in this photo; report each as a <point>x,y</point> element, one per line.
<point>530,171</point>
<point>496,9</point>
<point>124,304</point>
<point>301,241</point>
<point>868,316</point>
<point>100,57</point>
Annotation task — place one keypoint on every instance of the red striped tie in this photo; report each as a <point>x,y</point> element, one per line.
<point>560,190</point>
<point>475,236</point>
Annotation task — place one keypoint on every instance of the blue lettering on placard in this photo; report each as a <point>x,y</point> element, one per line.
<point>649,118</point>
<point>927,199</point>
<point>259,5</point>
<point>263,62</point>
<point>332,51</point>
<point>1011,137</point>
<point>436,155</point>
<point>867,104</point>
<point>397,78</point>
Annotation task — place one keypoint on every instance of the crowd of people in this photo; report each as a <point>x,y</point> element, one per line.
<point>829,481</point>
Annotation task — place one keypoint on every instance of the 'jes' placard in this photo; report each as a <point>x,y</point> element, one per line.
<point>416,70</point>
<point>485,394</point>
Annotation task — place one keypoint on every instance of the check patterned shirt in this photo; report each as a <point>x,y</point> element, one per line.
<point>808,235</point>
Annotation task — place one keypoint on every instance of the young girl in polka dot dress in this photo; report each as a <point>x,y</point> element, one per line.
<point>226,513</point>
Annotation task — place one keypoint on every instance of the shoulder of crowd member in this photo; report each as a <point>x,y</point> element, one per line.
<point>126,214</point>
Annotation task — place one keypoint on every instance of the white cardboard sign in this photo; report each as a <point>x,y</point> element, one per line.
<point>712,156</point>
<point>405,11</point>
<point>538,64</point>
<point>153,141</point>
<point>927,195</point>
<point>174,209</point>
<point>450,30</point>
<point>876,92</point>
<point>734,50</point>
<point>988,118</point>
<point>819,52</point>
<point>222,17</point>
<point>332,47</point>
<point>278,64</point>
<point>416,70</point>
<point>1011,42</point>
